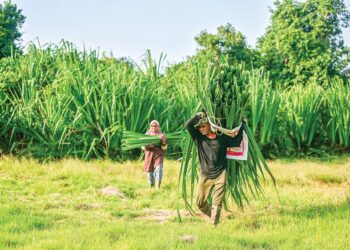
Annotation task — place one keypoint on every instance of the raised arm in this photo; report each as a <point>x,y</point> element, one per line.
<point>190,126</point>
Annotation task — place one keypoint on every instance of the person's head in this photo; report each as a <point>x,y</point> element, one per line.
<point>154,126</point>
<point>203,126</point>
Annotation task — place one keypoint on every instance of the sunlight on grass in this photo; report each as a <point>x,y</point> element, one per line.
<point>59,205</point>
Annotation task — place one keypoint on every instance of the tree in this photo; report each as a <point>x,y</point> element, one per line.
<point>11,20</point>
<point>304,42</point>
<point>228,45</point>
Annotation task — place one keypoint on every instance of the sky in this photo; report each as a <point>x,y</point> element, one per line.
<point>127,28</point>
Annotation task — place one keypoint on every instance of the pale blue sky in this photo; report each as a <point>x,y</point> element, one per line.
<point>129,27</point>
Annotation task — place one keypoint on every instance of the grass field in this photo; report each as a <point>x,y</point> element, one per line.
<point>59,205</point>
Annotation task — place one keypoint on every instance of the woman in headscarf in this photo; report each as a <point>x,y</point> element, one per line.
<point>154,156</point>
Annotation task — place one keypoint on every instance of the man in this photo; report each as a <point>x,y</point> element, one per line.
<point>212,158</point>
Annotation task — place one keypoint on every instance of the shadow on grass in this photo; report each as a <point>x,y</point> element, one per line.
<point>248,243</point>
<point>21,220</point>
<point>341,210</point>
<point>7,242</point>
<point>17,221</point>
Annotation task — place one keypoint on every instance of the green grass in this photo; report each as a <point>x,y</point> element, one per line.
<point>58,205</point>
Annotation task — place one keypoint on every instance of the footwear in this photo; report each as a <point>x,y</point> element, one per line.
<point>215,215</point>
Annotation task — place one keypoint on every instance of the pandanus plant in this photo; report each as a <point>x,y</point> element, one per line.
<point>302,108</point>
<point>264,104</point>
<point>338,102</point>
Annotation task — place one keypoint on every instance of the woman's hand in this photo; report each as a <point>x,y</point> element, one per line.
<point>162,138</point>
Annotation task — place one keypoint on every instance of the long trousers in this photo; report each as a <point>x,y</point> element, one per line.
<point>217,186</point>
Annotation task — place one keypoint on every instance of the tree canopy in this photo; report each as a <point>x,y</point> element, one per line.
<point>304,42</point>
<point>227,44</point>
<point>11,20</point>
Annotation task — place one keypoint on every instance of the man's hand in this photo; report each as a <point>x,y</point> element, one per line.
<point>201,114</point>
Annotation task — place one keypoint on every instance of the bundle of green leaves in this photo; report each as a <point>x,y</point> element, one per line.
<point>223,95</point>
<point>132,140</point>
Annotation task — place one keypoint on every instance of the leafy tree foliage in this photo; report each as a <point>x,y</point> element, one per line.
<point>304,42</point>
<point>11,20</point>
<point>228,45</point>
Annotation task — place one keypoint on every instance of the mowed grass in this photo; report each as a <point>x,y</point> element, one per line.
<point>59,205</point>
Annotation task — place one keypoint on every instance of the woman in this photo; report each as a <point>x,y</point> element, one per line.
<point>154,156</point>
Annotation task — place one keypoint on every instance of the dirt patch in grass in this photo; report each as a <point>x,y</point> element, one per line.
<point>160,216</point>
<point>163,216</point>
<point>327,178</point>
<point>112,191</point>
<point>85,206</point>
<point>189,238</point>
